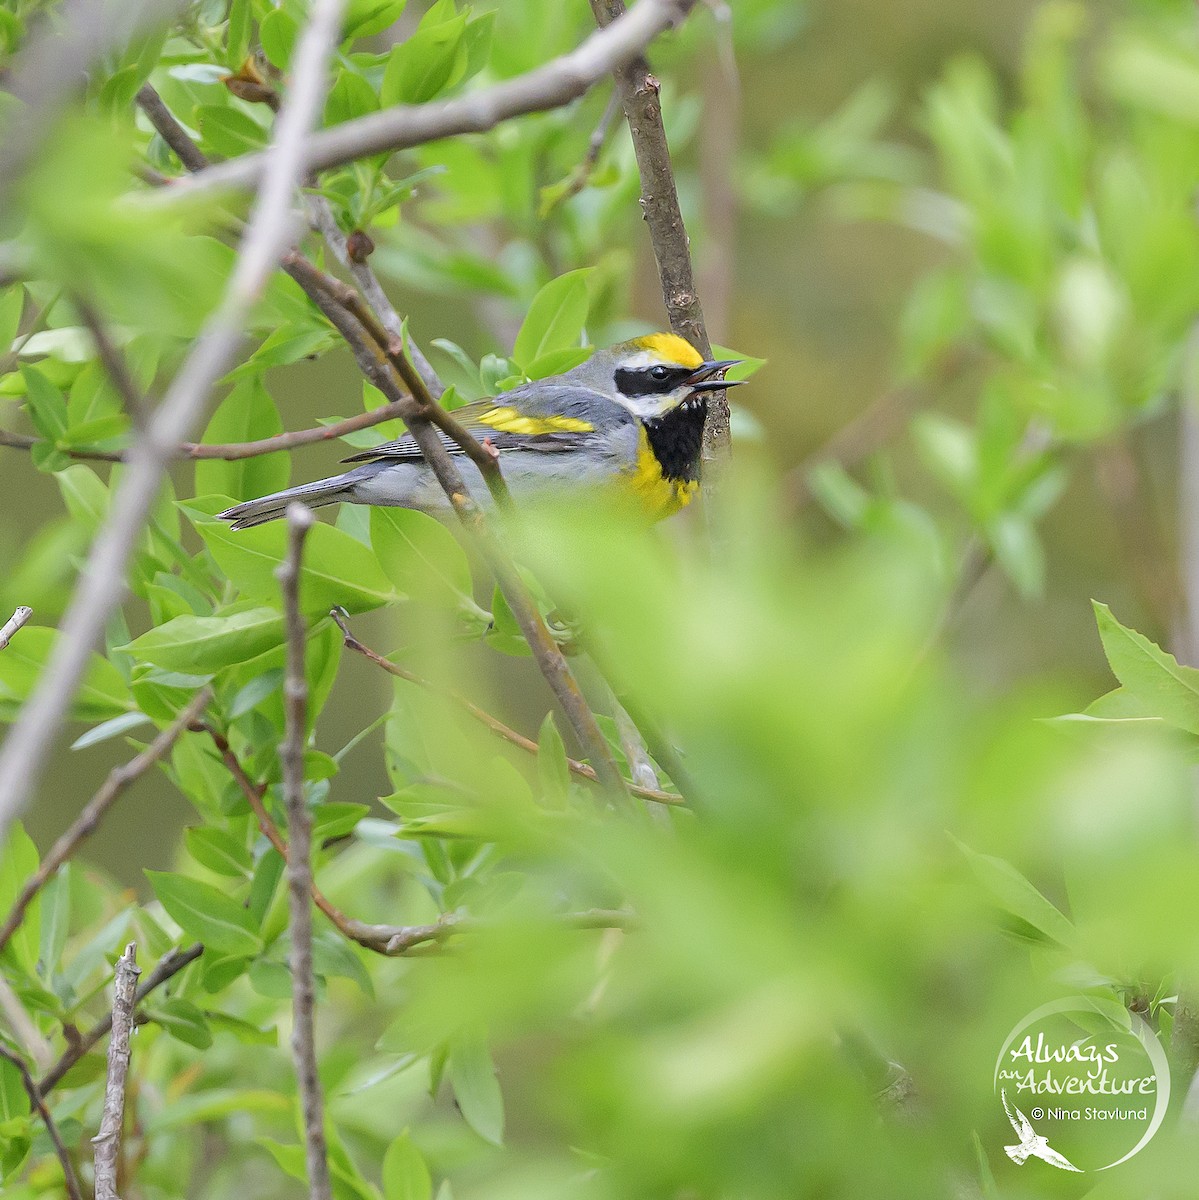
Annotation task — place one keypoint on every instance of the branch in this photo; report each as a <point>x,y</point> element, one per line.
<point>168,966</point>
<point>171,132</point>
<point>118,782</point>
<point>549,86</point>
<point>392,941</point>
<point>660,205</point>
<point>642,787</point>
<point>299,861</point>
<point>102,585</point>
<point>14,623</point>
<point>35,1098</point>
<point>324,222</point>
<point>108,1140</point>
<point>113,361</point>
<point>234,451</point>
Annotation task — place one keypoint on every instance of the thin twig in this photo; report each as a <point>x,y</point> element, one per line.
<point>119,780</point>
<point>113,360</point>
<point>14,623</point>
<point>233,451</point>
<point>401,126</point>
<point>642,788</point>
<point>322,218</point>
<point>35,1098</point>
<point>580,177</point>
<point>112,1119</point>
<point>299,860</point>
<point>102,583</point>
<point>389,940</point>
<point>168,966</point>
<point>639,91</point>
<point>171,132</point>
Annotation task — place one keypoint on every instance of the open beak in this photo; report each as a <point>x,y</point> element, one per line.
<point>701,379</point>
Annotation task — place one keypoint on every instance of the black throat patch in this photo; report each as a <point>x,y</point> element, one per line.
<point>677,439</point>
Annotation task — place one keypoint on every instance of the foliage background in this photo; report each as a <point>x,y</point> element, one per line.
<point>973,225</point>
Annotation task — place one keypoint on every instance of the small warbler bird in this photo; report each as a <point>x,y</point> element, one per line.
<point>630,417</point>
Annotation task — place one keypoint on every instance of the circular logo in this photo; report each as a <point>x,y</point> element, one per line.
<point>1084,1086</point>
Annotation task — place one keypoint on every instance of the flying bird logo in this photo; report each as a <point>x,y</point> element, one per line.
<point>1032,1145</point>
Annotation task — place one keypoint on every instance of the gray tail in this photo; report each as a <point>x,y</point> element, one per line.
<point>271,508</point>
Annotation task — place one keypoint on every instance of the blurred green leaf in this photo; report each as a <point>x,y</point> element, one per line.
<point>206,913</point>
<point>555,318</point>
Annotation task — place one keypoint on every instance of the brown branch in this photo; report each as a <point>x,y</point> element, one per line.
<point>113,361</point>
<point>234,451</point>
<point>368,282</point>
<point>119,780</point>
<point>11,626</point>
<point>168,966</point>
<point>35,1098</point>
<point>639,91</point>
<point>640,788</point>
<point>389,940</point>
<point>401,126</point>
<point>171,132</point>
<point>112,1119</point>
<point>299,861</point>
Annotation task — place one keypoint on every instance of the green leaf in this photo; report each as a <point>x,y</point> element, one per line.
<point>555,319</point>
<point>218,850</point>
<point>247,414</point>
<point>12,304</point>
<point>229,131</point>
<point>277,32</point>
<point>103,693</point>
<point>204,645</point>
<point>1016,895</point>
<point>337,568</point>
<point>206,913</point>
<point>558,361</point>
<point>420,555</point>
<point>183,1021</point>
<point>1154,677</point>
<point>405,1175</point>
<point>18,862</point>
<point>350,97</point>
<point>46,404</point>
<point>365,18</point>
<point>433,58</point>
<point>107,730</point>
<point>476,1088</point>
<point>552,768</point>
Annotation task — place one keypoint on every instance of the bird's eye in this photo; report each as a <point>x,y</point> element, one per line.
<point>660,372</point>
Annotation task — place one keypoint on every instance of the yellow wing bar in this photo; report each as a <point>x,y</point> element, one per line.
<point>509,420</point>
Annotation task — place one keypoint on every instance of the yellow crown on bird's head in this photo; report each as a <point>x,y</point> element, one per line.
<point>671,348</point>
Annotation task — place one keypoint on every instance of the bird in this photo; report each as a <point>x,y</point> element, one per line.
<point>632,415</point>
<point>1032,1144</point>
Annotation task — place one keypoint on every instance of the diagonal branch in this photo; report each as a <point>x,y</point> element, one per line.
<point>639,91</point>
<point>168,966</point>
<point>642,787</point>
<point>119,780</point>
<point>102,584</point>
<point>35,1098</point>
<point>14,623</point>
<point>405,125</point>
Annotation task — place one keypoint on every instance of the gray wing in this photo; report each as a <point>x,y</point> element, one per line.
<point>530,400</point>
